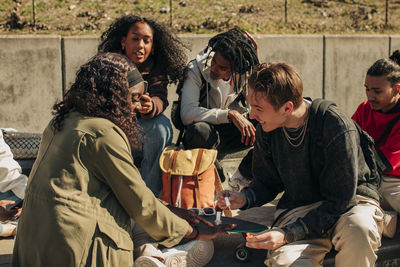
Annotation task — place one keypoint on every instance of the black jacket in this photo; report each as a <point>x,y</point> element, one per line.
<point>329,166</point>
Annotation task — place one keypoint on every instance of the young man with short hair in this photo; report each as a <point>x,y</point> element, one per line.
<point>379,116</point>
<point>330,193</point>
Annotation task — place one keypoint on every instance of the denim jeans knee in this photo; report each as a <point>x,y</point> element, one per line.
<point>158,135</point>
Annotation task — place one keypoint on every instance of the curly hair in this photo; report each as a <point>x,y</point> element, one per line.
<point>169,50</point>
<point>101,90</point>
<point>238,49</point>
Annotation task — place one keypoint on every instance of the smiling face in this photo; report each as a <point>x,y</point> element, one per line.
<point>220,67</point>
<point>138,43</point>
<point>262,111</point>
<point>381,95</point>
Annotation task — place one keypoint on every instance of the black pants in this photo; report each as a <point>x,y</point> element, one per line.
<point>226,138</point>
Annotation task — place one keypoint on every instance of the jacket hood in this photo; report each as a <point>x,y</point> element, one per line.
<point>204,66</point>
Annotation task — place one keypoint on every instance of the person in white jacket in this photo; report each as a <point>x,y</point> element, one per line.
<point>12,187</point>
<point>213,105</point>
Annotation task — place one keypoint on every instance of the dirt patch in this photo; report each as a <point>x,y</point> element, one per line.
<point>76,17</point>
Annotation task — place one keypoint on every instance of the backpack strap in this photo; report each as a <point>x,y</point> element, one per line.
<point>389,128</point>
<point>169,174</point>
<point>196,177</point>
<point>317,112</point>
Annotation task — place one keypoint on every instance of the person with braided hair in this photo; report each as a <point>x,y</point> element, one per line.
<point>213,105</point>
<point>160,57</point>
<point>379,116</point>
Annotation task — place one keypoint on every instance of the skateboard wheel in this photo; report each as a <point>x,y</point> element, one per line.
<point>242,254</point>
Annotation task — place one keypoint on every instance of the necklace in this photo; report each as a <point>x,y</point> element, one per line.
<point>294,141</point>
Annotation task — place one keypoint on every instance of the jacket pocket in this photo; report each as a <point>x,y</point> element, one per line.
<point>121,239</point>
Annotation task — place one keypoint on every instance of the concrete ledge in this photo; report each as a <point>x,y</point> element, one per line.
<point>30,81</point>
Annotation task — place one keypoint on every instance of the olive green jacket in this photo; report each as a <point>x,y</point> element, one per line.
<point>81,194</point>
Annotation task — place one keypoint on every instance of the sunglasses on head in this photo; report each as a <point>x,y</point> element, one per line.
<point>208,211</point>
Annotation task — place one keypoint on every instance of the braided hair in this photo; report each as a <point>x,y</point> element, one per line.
<point>169,50</point>
<point>234,46</point>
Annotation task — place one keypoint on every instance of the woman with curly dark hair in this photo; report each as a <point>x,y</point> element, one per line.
<point>84,188</point>
<point>160,57</point>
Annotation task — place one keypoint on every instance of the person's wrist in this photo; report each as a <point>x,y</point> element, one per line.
<point>194,234</point>
<point>288,235</point>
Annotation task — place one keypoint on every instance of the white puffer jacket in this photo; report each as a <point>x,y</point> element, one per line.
<point>11,177</point>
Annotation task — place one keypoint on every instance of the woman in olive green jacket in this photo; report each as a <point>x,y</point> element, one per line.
<point>84,188</point>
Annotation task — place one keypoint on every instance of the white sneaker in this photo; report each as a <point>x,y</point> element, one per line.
<point>8,228</point>
<point>192,254</point>
<point>389,223</point>
<point>237,181</point>
<point>148,261</point>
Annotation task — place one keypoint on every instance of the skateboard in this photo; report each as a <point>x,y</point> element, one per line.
<point>241,253</point>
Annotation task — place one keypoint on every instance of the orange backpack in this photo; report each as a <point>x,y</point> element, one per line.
<point>190,179</point>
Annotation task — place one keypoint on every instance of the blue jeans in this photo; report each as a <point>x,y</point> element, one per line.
<point>158,135</point>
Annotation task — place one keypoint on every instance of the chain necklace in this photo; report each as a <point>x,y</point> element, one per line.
<point>293,141</point>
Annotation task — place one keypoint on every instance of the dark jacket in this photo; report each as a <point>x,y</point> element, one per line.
<point>157,89</point>
<point>327,167</point>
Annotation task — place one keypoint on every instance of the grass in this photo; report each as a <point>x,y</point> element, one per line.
<point>79,17</point>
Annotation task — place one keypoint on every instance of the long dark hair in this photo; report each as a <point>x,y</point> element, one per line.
<point>101,90</point>
<point>169,50</point>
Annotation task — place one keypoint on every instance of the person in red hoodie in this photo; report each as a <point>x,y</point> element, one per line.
<point>379,116</point>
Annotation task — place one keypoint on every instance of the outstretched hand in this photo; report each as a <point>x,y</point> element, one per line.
<point>191,217</point>
<point>211,232</point>
<point>269,239</point>
<point>246,128</point>
<point>8,214</point>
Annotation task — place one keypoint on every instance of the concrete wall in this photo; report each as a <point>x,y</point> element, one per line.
<point>304,52</point>
<point>30,80</point>
<point>347,59</point>
<point>35,70</point>
<point>394,44</point>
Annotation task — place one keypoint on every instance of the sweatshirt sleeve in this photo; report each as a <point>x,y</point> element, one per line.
<point>113,164</point>
<point>11,177</point>
<point>191,111</point>
<point>391,149</point>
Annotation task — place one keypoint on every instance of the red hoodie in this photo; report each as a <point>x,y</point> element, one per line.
<point>375,123</point>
